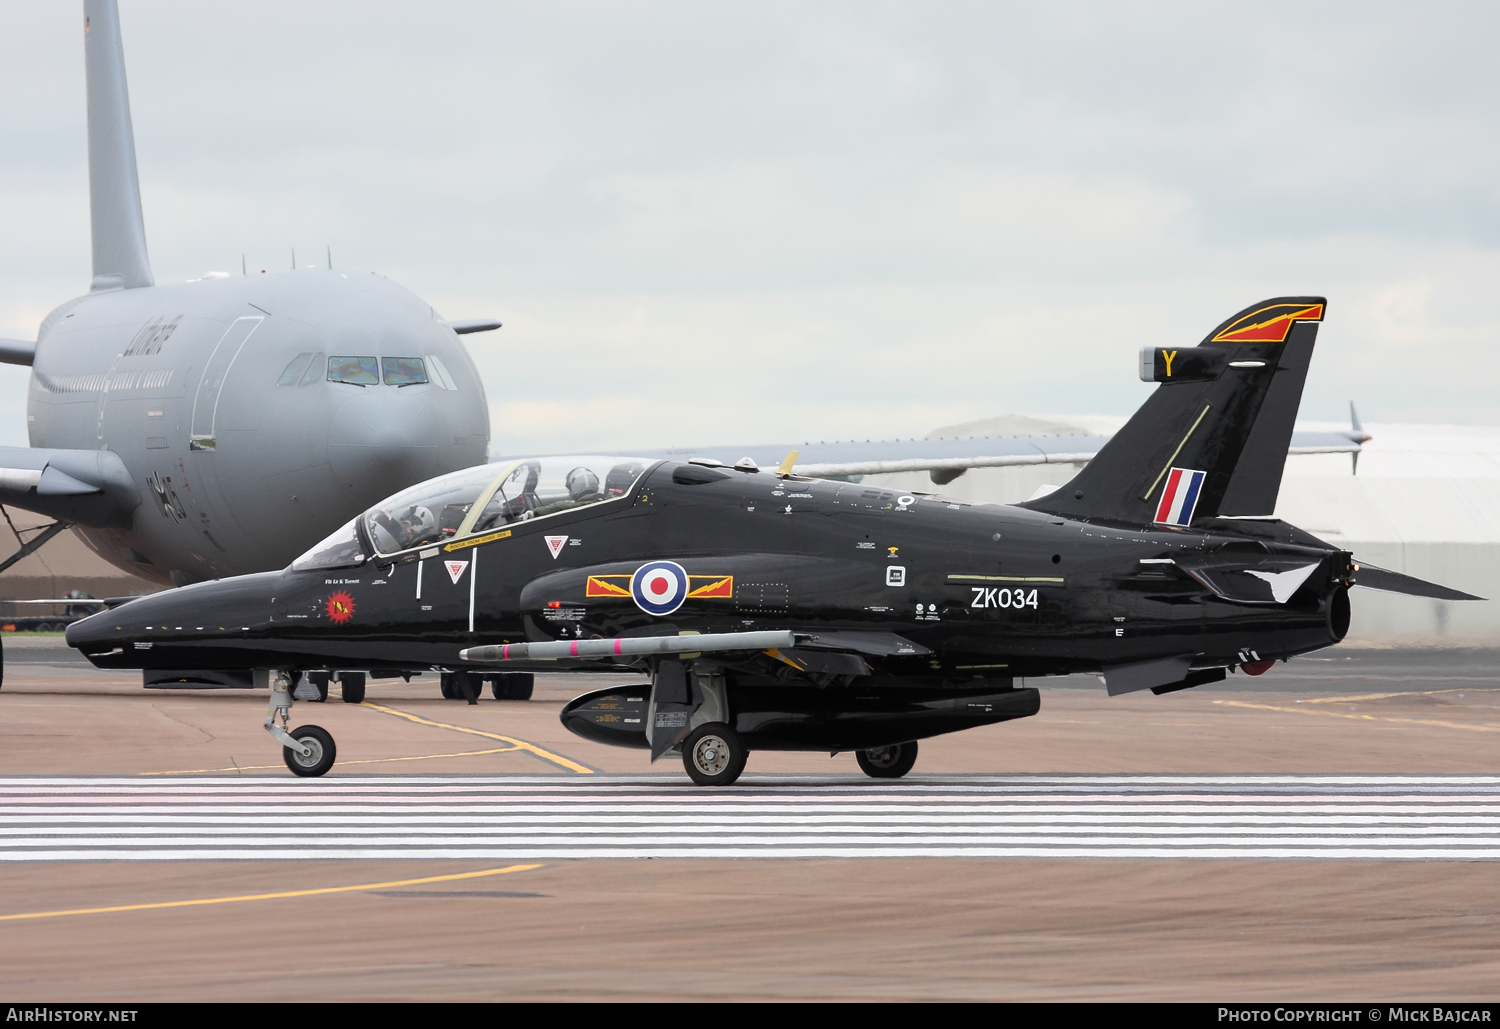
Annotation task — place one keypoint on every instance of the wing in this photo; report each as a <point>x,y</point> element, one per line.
<point>17,351</point>
<point>947,459</point>
<point>89,487</point>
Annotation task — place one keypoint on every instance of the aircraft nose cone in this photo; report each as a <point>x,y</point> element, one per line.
<point>87,630</point>
<point>386,433</point>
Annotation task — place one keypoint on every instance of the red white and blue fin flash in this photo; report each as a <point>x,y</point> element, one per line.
<point>1180,497</point>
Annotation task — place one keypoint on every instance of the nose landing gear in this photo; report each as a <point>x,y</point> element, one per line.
<point>308,749</point>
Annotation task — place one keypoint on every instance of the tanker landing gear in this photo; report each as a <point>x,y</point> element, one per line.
<point>308,749</point>
<point>887,762</point>
<point>503,685</point>
<point>352,686</point>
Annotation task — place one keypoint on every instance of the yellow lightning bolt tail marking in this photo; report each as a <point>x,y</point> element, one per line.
<point>531,748</point>
<point>273,896</point>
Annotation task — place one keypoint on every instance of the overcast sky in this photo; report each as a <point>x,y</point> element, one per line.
<point>767,222</point>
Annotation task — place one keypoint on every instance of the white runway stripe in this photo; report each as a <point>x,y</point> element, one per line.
<point>531,817</point>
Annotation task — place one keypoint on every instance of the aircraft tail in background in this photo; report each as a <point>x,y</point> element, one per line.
<point>119,229</point>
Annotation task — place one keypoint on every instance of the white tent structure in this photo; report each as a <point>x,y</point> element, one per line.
<point>1425,501</point>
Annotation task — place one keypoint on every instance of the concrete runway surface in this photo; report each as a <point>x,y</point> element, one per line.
<point>1326,831</point>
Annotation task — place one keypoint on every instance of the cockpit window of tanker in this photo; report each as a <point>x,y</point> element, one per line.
<point>357,371</point>
<point>340,550</point>
<point>314,371</point>
<point>440,377</point>
<point>403,371</point>
<point>429,512</point>
<point>294,370</point>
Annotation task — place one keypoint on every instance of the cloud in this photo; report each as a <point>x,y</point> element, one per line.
<point>780,221</point>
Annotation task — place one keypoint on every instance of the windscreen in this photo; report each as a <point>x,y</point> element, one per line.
<point>342,549</point>
<point>487,497</point>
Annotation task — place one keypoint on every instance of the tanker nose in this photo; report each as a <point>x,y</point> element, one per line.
<point>388,434</point>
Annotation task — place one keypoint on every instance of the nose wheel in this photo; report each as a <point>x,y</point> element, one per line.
<point>308,749</point>
<point>320,751</point>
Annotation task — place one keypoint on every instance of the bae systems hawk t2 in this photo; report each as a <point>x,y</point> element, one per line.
<point>771,611</point>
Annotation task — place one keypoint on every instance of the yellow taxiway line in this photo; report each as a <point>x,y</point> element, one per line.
<point>1404,693</point>
<point>1359,718</point>
<point>273,896</point>
<point>341,764</point>
<point>531,748</point>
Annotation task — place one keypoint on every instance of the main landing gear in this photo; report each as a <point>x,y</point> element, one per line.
<point>470,685</point>
<point>887,762</point>
<point>714,754</point>
<point>308,749</point>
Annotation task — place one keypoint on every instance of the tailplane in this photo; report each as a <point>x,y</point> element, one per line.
<point>119,229</point>
<point>1212,439</point>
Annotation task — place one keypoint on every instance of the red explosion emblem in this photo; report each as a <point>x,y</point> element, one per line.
<point>340,607</point>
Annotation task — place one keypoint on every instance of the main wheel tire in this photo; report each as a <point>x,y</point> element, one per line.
<point>321,758</point>
<point>319,681</point>
<point>445,686</point>
<point>714,754</point>
<point>352,685</point>
<point>465,687</point>
<point>887,762</point>
<point>513,685</point>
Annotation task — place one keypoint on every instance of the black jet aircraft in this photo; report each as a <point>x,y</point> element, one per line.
<point>772,611</point>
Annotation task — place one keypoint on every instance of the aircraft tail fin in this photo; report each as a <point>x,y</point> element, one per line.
<point>1212,440</point>
<point>119,229</point>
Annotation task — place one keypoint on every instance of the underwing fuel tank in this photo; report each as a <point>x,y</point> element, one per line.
<point>788,718</point>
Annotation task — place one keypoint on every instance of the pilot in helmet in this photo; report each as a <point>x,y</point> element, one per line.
<point>418,523</point>
<point>583,485</point>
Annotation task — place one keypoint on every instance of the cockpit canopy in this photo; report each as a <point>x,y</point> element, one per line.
<point>475,501</point>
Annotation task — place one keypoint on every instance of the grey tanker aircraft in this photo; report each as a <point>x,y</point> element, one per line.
<point>220,426</point>
<point>775,611</point>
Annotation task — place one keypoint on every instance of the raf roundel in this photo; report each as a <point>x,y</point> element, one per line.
<point>659,588</point>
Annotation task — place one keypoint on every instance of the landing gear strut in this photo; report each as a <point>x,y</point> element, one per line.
<point>887,762</point>
<point>308,749</point>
